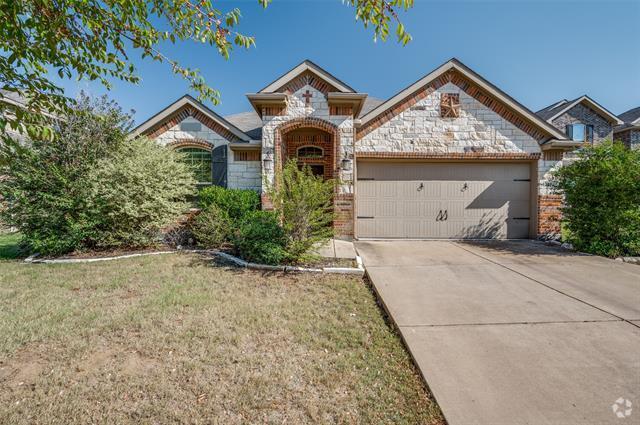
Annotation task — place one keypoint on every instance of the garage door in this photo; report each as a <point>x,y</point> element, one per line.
<point>443,200</point>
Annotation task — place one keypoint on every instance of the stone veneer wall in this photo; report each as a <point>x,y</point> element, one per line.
<point>581,114</point>
<point>630,138</point>
<point>318,108</point>
<point>240,174</point>
<point>421,129</point>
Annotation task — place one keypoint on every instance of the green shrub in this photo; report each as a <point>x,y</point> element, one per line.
<point>304,203</point>
<point>45,187</point>
<point>90,187</point>
<point>260,238</point>
<point>135,192</point>
<point>602,200</point>
<point>236,202</point>
<point>212,227</point>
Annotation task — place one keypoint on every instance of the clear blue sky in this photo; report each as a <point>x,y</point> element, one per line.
<point>536,51</point>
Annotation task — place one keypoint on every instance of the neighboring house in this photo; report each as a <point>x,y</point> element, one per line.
<point>450,156</point>
<point>581,119</point>
<point>629,131</point>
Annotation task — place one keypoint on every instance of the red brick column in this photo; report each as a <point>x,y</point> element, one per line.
<point>549,214</point>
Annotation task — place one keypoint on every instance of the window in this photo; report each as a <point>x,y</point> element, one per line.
<point>200,161</point>
<point>310,152</point>
<point>580,132</point>
<point>450,105</point>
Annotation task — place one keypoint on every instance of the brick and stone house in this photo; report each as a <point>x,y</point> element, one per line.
<point>629,131</point>
<point>581,119</point>
<point>450,156</point>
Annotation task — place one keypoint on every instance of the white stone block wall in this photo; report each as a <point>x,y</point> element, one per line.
<point>240,174</point>
<point>421,129</point>
<point>318,108</point>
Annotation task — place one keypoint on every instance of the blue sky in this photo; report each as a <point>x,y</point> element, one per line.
<point>537,51</point>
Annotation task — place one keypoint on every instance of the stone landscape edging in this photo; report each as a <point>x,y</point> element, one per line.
<point>235,260</point>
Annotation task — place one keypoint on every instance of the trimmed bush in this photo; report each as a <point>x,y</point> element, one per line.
<point>237,203</point>
<point>260,239</point>
<point>135,192</point>
<point>602,200</point>
<point>212,227</point>
<point>304,203</point>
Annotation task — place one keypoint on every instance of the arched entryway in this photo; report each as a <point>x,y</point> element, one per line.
<point>310,141</point>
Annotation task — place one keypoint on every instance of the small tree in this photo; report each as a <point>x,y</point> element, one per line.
<point>602,200</point>
<point>304,203</point>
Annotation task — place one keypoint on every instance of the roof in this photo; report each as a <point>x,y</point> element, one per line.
<point>180,103</point>
<point>251,123</point>
<point>632,116</point>
<point>554,111</point>
<point>304,66</point>
<point>12,97</point>
<point>549,111</point>
<point>455,64</point>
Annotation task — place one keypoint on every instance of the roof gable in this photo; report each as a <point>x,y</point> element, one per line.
<point>307,73</point>
<point>560,109</point>
<point>473,84</point>
<point>182,108</point>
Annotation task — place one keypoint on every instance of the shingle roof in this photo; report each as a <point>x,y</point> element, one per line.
<point>551,110</point>
<point>630,116</point>
<point>251,123</point>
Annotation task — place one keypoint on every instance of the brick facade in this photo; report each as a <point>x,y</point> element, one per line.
<point>581,114</point>
<point>549,215</point>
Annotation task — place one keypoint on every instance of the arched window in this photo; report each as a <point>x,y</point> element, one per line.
<point>200,161</point>
<point>310,152</point>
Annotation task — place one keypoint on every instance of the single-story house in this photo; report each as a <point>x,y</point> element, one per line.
<point>450,156</point>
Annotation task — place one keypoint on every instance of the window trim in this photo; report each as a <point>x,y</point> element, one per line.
<point>308,156</point>
<point>183,149</point>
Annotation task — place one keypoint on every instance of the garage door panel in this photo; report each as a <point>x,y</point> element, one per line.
<point>482,200</point>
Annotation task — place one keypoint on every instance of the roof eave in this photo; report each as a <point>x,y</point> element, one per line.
<point>306,65</point>
<point>594,105</point>
<point>476,78</point>
<point>182,101</point>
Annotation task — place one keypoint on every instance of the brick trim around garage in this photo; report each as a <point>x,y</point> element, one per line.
<point>549,215</point>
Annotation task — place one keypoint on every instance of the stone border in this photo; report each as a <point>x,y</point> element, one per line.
<point>33,259</point>
<point>329,270</point>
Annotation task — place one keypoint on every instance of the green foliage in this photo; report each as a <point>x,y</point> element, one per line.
<point>304,202</point>
<point>212,227</point>
<point>72,192</point>
<point>260,238</point>
<point>237,203</point>
<point>602,200</point>
<point>135,192</point>
<point>77,39</point>
<point>45,189</point>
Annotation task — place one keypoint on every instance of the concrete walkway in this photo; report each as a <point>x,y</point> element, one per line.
<point>514,332</point>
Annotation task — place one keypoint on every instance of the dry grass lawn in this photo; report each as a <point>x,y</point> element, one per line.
<point>174,339</point>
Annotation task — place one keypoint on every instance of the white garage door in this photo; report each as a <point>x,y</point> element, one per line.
<point>443,200</point>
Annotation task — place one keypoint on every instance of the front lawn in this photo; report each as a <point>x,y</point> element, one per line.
<point>171,339</point>
<point>9,246</point>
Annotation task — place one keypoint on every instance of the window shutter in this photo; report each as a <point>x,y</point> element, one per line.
<point>219,166</point>
<point>589,135</point>
<point>569,130</point>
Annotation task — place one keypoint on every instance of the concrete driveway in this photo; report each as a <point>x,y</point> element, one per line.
<point>514,332</point>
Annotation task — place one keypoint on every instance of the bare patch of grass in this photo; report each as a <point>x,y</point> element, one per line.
<point>174,339</point>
